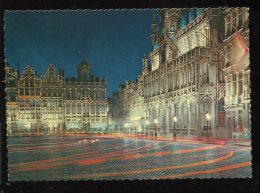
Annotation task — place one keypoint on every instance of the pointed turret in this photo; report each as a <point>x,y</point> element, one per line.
<point>59,74</point>
<point>84,71</point>
<point>18,69</point>
<point>144,61</point>
<point>169,22</point>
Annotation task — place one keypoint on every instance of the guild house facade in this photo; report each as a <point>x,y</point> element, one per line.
<point>237,71</point>
<point>52,103</point>
<point>187,85</point>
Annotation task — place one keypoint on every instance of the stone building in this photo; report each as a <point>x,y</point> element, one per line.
<point>52,117</point>
<point>127,108</point>
<point>29,98</point>
<point>237,71</point>
<point>53,103</point>
<point>185,76</point>
<point>11,77</point>
<point>85,100</point>
<point>118,117</point>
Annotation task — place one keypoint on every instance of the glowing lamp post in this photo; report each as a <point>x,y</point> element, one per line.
<point>107,119</point>
<point>174,127</point>
<point>155,134</point>
<point>208,117</point>
<point>126,125</point>
<point>146,127</point>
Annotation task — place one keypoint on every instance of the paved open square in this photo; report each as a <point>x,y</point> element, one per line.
<point>100,157</point>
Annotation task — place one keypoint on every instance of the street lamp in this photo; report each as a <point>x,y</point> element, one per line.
<point>174,128</point>
<point>155,121</point>
<point>208,118</point>
<point>146,127</point>
<point>107,120</point>
<point>130,129</point>
<point>134,126</point>
<point>126,126</point>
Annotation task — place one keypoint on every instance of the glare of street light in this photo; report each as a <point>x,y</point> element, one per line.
<point>126,125</point>
<point>155,121</point>
<point>174,118</point>
<point>208,116</point>
<point>139,129</point>
<point>147,122</point>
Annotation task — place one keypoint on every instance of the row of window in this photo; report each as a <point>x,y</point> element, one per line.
<point>30,116</point>
<point>176,81</point>
<point>85,109</point>
<point>86,95</point>
<point>68,95</point>
<point>236,83</point>
<point>29,91</point>
<point>234,20</point>
<point>38,116</point>
<point>29,82</point>
<point>198,38</point>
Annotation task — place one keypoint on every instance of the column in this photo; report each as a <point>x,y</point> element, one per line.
<point>214,117</point>
<point>168,113</point>
<point>189,115</point>
<point>198,119</point>
<point>197,38</point>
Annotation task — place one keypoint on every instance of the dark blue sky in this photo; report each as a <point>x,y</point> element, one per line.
<point>113,42</point>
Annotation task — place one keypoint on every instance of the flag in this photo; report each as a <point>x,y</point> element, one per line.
<point>240,53</point>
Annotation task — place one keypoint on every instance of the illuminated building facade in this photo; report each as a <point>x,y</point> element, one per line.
<point>237,71</point>
<point>119,109</point>
<point>52,116</point>
<point>29,101</point>
<point>127,107</point>
<point>185,77</point>
<point>85,100</point>
<point>11,97</point>
<point>53,103</point>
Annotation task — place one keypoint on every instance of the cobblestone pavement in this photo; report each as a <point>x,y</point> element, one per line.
<point>107,157</point>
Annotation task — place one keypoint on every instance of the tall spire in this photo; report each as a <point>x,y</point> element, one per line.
<point>145,65</point>
<point>18,69</point>
<point>169,20</point>
<point>154,28</point>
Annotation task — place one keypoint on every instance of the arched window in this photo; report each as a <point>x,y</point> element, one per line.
<point>162,55</point>
<point>26,82</point>
<point>193,115</point>
<point>221,112</point>
<point>240,123</point>
<point>170,77</point>
<point>185,115</point>
<point>205,75</point>
<point>31,83</point>
<point>206,103</point>
<point>206,109</point>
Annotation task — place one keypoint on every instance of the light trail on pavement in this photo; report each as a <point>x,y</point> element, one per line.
<point>106,158</point>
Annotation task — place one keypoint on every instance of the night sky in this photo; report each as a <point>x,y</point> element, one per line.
<point>113,42</point>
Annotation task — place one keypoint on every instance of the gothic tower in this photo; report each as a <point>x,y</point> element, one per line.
<point>154,35</point>
<point>83,72</point>
<point>169,22</point>
<point>145,65</point>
